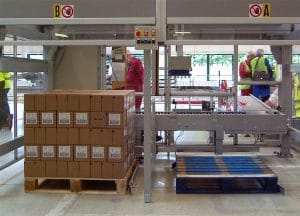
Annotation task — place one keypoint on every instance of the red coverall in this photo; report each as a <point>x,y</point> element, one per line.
<point>245,74</point>
<point>135,79</point>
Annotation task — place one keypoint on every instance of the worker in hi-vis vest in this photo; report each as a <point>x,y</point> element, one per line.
<point>246,74</point>
<point>4,105</point>
<point>260,63</point>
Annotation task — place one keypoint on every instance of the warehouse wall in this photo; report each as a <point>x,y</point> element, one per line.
<point>77,69</point>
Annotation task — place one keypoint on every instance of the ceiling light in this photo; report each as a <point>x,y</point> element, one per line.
<point>183,32</point>
<point>61,35</point>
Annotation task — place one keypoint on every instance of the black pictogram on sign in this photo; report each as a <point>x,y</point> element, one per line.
<point>67,11</point>
<point>255,10</point>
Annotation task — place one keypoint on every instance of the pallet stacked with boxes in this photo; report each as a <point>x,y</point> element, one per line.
<point>79,134</point>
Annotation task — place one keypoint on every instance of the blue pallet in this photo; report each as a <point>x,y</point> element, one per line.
<point>236,174</point>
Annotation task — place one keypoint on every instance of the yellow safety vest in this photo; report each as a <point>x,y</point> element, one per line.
<point>260,66</point>
<point>297,95</point>
<point>247,69</point>
<point>2,77</point>
<point>7,84</point>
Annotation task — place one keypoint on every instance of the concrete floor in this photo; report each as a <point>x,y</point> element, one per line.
<point>13,200</point>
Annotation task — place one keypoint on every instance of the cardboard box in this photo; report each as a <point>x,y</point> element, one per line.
<point>61,102</point>
<point>119,103</point>
<point>40,136</point>
<point>73,169</point>
<point>119,137</point>
<point>84,103</point>
<point>98,120</point>
<point>107,168</point>
<point>120,169</point>
<point>29,102</point>
<point>107,103</point>
<point>96,169</point>
<point>33,152</point>
<point>96,137</point>
<point>62,169</point>
<point>82,119</point>
<point>73,136</point>
<point>84,169</point>
<point>61,136</point>
<point>29,136</point>
<point>116,153</point>
<point>84,136</point>
<point>98,153</point>
<point>73,102</point>
<point>48,119</point>
<point>65,153</point>
<point>50,169</point>
<point>65,119</point>
<point>107,137</point>
<point>82,153</point>
<point>50,136</point>
<point>34,168</point>
<point>96,103</point>
<point>39,102</point>
<point>48,152</point>
<point>50,102</point>
<point>31,119</point>
<point>116,120</point>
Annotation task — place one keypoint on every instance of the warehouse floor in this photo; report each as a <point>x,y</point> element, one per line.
<point>13,200</point>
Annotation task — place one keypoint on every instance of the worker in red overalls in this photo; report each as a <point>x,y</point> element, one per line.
<point>246,74</point>
<point>135,78</point>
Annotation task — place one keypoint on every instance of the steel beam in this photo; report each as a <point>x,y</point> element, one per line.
<point>69,43</point>
<point>231,42</point>
<point>14,64</point>
<point>11,145</point>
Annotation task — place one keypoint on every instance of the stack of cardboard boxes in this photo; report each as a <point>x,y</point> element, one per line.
<point>81,134</point>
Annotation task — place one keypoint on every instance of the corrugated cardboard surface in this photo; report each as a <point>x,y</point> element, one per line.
<point>84,103</point>
<point>96,103</point>
<point>39,102</point>
<point>73,136</point>
<point>84,170</point>
<point>62,102</point>
<point>84,136</point>
<point>96,170</point>
<point>73,102</point>
<point>73,169</point>
<point>50,136</point>
<point>107,137</point>
<point>119,137</point>
<point>29,136</point>
<point>62,136</point>
<point>50,102</point>
<point>50,169</point>
<point>107,168</point>
<point>34,168</point>
<point>98,120</point>
<point>62,169</point>
<point>39,136</point>
<point>28,102</point>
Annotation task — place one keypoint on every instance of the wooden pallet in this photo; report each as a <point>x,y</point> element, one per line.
<point>80,185</point>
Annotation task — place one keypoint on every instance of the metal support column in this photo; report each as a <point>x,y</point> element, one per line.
<point>15,102</point>
<point>235,86</point>
<point>101,67</point>
<point>167,80</point>
<point>148,139</point>
<point>286,99</point>
<point>219,135</point>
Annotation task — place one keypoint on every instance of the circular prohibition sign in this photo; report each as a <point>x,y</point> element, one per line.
<point>67,11</point>
<point>255,10</point>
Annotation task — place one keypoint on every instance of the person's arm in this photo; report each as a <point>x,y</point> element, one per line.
<point>242,71</point>
<point>267,63</point>
<point>2,83</point>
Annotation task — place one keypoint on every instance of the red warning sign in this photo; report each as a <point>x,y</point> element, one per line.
<point>67,11</point>
<point>255,10</point>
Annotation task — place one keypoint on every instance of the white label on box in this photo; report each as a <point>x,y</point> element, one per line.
<point>64,118</point>
<point>31,118</point>
<point>64,152</point>
<point>114,119</point>
<point>98,152</point>
<point>81,152</point>
<point>48,151</point>
<point>115,153</point>
<point>82,118</point>
<point>32,151</point>
<point>47,118</point>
